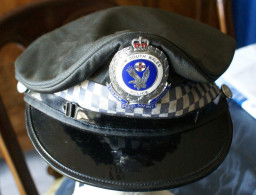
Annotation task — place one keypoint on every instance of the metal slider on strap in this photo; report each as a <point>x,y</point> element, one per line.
<point>73,110</point>
<point>70,109</point>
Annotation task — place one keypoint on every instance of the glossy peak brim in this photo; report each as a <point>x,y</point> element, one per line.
<point>131,163</point>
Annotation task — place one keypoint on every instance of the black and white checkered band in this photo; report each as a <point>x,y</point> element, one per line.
<point>177,101</point>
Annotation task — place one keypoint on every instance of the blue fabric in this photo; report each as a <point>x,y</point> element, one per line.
<point>237,174</point>
<point>66,188</point>
<point>244,14</point>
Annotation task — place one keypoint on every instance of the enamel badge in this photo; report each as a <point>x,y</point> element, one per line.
<point>138,75</point>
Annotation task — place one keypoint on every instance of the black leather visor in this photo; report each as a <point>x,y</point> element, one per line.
<point>134,163</point>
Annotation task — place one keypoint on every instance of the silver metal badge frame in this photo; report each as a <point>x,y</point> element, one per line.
<point>131,53</point>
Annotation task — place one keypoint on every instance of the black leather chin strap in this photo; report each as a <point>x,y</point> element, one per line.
<point>74,115</point>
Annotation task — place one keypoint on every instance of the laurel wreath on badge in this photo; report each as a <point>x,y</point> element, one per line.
<point>138,75</point>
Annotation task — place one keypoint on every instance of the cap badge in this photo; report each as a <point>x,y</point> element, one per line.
<point>138,75</point>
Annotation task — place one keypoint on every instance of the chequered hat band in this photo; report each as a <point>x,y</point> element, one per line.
<point>178,101</point>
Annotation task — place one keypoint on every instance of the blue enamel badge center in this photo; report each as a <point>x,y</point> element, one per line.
<point>139,75</point>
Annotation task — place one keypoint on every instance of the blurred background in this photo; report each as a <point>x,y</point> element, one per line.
<point>22,21</point>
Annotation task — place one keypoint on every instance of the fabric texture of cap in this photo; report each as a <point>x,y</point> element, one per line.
<point>125,98</point>
<point>74,52</point>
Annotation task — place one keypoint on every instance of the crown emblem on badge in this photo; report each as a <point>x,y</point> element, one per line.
<point>138,75</point>
<point>140,44</point>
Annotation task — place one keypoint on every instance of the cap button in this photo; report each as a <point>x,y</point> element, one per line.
<point>226,91</point>
<point>21,88</point>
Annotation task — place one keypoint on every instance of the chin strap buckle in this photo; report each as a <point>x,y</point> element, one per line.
<point>74,111</point>
<point>70,109</point>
